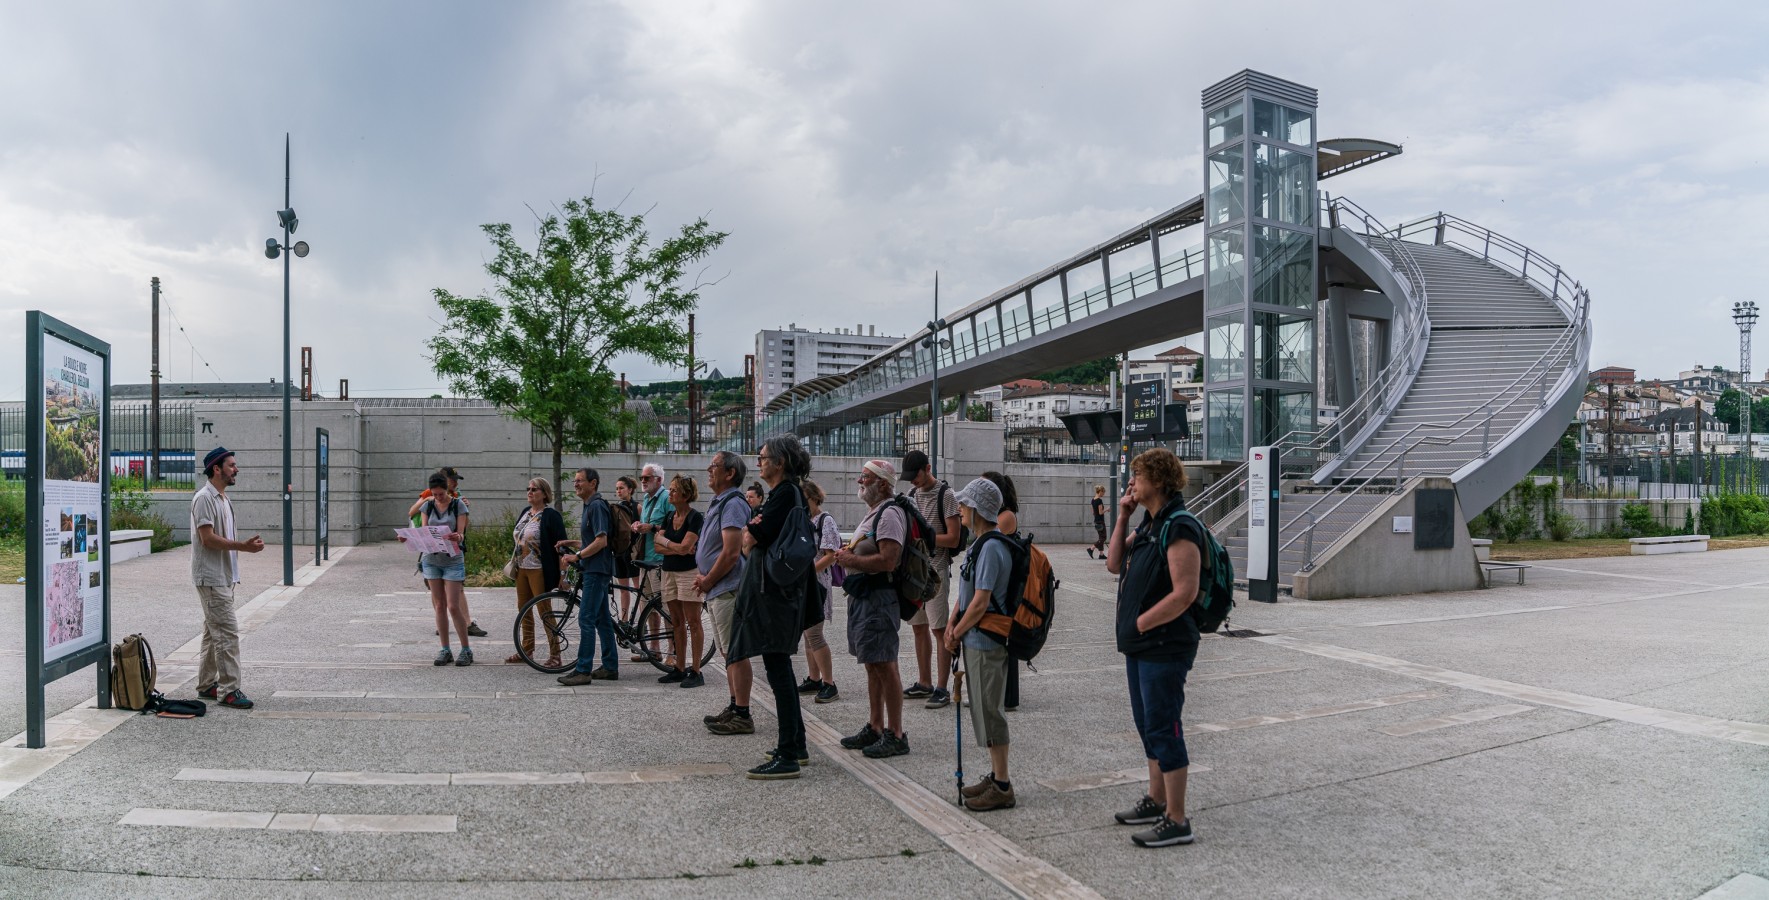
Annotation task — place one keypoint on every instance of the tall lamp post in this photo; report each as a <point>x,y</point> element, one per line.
<point>272,249</point>
<point>1744,312</point>
<point>934,344</point>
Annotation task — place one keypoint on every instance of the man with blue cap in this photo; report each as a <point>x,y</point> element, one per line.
<point>215,569</point>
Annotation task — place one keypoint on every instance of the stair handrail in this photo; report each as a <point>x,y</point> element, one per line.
<point>1415,328</point>
<point>1551,362</point>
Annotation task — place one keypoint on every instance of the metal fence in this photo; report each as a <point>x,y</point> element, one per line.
<point>1651,473</point>
<point>131,450</point>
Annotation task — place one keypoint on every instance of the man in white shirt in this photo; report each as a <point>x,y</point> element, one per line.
<point>215,569</point>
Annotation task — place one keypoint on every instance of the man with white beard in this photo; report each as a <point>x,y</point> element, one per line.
<point>873,618</point>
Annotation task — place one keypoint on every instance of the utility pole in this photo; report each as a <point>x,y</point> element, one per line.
<point>693,420</point>
<point>1744,313</point>
<point>153,471</point>
<point>623,412</point>
<point>1700,479</point>
<point>1609,437</point>
<point>749,393</point>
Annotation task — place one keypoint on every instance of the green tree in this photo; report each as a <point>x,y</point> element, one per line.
<point>1098,371</point>
<point>540,342</point>
<point>1726,409</point>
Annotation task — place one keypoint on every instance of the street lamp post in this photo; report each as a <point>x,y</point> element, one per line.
<point>934,344</point>
<point>272,249</point>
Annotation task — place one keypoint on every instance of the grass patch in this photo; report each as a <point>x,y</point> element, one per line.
<point>12,560</point>
<point>1592,548</point>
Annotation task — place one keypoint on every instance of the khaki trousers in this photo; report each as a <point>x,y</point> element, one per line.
<point>530,584</point>
<point>220,664</point>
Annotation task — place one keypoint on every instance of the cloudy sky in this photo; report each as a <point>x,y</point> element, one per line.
<point>850,150</point>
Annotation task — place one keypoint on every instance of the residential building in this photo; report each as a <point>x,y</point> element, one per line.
<point>1676,429</point>
<point>792,355</point>
<point>1616,375</point>
<point>1040,406</point>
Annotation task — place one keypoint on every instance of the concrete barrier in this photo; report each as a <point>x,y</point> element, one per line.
<point>131,543</point>
<point>1676,543</point>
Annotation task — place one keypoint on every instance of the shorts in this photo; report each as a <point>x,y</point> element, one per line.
<point>724,612</point>
<point>1157,697</point>
<point>677,587</point>
<point>937,611</point>
<point>454,571</point>
<point>872,626</point>
<point>986,672</point>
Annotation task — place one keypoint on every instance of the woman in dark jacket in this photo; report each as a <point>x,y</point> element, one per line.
<point>770,617</point>
<point>1160,566</point>
<point>537,530</point>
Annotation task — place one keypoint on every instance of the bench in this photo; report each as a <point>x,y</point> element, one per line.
<point>1674,543</point>
<point>1487,568</point>
<point>1483,548</point>
<point>130,543</point>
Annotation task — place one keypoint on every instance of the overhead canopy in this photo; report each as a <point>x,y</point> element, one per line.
<point>802,390</point>
<point>1340,155</point>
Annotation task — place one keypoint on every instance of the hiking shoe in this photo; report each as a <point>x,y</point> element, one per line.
<point>860,740</point>
<point>674,676</point>
<point>774,754</point>
<point>993,796</point>
<point>466,657</point>
<point>737,724</point>
<point>939,699</point>
<point>575,679</point>
<point>976,790</point>
<point>726,713</point>
<point>473,630</point>
<point>775,770</point>
<point>208,692</point>
<point>1145,812</point>
<point>1090,553</point>
<point>810,686</point>
<point>828,694</point>
<point>443,657</point>
<point>1166,833</point>
<point>605,674</point>
<point>694,679</point>
<point>237,700</point>
<point>916,691</point>
<point>887,745</point>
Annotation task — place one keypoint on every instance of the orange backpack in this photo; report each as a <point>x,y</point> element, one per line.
<point>1021,620</point>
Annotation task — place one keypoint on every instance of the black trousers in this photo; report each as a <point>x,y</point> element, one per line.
<point>786,704</point>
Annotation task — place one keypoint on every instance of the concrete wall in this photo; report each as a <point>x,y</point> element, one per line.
<point>1372,561</point>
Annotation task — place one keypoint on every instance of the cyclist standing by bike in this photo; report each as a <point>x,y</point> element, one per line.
<point>597,561</point>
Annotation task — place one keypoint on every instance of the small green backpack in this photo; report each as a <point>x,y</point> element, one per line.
<point>1216,578</point>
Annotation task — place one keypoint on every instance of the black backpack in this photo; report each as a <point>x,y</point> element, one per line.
<point>794,550</point>
<point>964,534</point>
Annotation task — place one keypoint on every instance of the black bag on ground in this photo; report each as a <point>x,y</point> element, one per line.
<point>160,703</point>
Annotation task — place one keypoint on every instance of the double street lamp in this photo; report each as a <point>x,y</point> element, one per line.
<point>934,344</point>
<point>272,249</point>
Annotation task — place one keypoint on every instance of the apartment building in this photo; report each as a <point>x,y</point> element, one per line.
<point>791,355</point>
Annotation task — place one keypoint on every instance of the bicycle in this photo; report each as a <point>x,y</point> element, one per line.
<point>646,630</point>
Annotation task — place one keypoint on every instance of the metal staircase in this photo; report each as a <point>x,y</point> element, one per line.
<point>1487,364</point>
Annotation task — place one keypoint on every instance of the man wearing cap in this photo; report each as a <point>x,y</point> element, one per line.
<point>215,569</point>
<point>985,575</point>
<point>873,617</point>
<point>935,500</point>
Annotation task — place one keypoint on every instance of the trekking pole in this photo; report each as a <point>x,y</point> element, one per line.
<point>958,719</point>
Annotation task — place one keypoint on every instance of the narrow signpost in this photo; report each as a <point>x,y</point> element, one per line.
<point>322,495</point>
<point>1262,525</point>
<point>67,512</point>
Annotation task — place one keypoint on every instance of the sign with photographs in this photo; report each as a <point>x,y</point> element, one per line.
<point>67,483</point>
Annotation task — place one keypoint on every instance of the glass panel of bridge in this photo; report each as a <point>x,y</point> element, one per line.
<point>987,329</point>
<point>1228,269</point>
<point>1223,415</point>
<point>962,346</point>
<point>1179,261</point>
<point>1282,185</point>
<point>1227,349</point>
<point>1286,267</point>
<point>1133,270</point>
<point>1224,176</point>
<point>1283,347</point>
<point>1047,306</point>
<point>1087,289</point>
<point>1224,124</point>
<point>1016,320</point>
<point>1281,123</point>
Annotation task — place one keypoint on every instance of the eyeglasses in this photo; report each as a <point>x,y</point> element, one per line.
<point>763,457</point>
<point>533,489</point>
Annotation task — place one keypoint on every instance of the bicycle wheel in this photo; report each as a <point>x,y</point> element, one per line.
<point>557,623</point>
<point>654,633</point>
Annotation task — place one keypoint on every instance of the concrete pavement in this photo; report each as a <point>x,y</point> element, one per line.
<point>1600,732</point>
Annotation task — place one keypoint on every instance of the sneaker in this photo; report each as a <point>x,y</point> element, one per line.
<point>575,679</point>
<point>939,699</point>
<point>605,674</point>
<point>737,724</point>
<point>726,713</point>
<point>860,740</point>
<point>828,694</point>
<point>694,679</point>
<point>1166,833</point>
<point>443,657</point>
<point>466,657</point>
<point>774,754</point>
<point>775,770</point>
<point>473,630</point>
<point>1090,553</point>
<point>887,745</point>
<point>916,691</point>
<point>674,676</point>
<point>209,692</point>
<point>810,686</point>
<point>1145,812</point>
<point>993,796</point>
<point>236,699</point>
<point>976,790</point>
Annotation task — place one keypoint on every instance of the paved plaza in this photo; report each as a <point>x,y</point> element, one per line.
<point>1602,731</point>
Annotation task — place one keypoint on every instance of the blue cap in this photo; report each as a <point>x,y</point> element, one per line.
<point>214,456</point>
